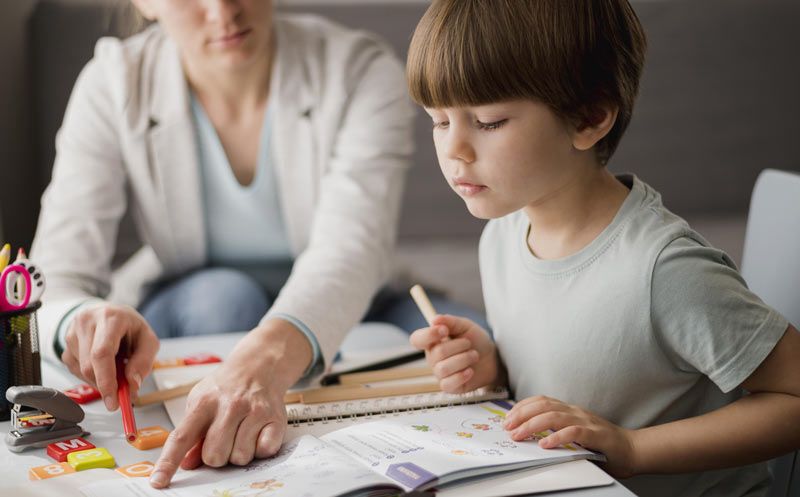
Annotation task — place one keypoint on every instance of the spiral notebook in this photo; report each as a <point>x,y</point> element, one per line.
<point>319,413</point>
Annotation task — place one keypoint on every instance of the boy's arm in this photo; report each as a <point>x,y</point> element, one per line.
<point>759,426</point>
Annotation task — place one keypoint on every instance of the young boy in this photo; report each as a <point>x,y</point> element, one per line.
<point>617,326</point>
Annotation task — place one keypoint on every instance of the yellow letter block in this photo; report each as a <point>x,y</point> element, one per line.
<point>50,471</point>
<point>136,470</point>
<point>150,438</point>
<point>90,459</point>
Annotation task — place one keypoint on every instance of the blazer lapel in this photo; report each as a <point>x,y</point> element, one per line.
<point>174,161</point>
<point>292,131</point>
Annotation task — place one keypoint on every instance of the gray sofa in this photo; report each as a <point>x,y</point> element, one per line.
<point>718,104</point>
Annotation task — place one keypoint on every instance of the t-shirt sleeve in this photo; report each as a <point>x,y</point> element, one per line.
<point>706,318</point>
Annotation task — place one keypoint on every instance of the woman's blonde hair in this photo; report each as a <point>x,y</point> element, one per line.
<point>124,19</point>
<point>576,56</point>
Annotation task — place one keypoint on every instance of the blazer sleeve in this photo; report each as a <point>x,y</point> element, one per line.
<point>353,229</point>
<point>85,200</point>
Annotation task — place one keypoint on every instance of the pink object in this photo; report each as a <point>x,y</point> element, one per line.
<point>9,304</point>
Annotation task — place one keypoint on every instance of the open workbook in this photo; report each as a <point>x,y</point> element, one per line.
<point>413,450</point>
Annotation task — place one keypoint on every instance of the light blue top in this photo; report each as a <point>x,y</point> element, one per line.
<point>244,223</point>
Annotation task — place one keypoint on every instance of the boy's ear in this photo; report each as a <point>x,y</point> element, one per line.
<point>146,9</point>
<point>599,124</point>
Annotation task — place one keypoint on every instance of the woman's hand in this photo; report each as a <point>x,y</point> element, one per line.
<point>238,413</point>
<point>461,353</point>
<point>573,424</point>
<point>93,340</point>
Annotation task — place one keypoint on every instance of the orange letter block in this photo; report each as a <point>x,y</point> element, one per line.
<point>50,471</point>
<point>169,363</point>
<point>137,470</point>
<point>150,437</point>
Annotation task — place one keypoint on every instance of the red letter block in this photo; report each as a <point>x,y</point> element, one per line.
<point>59,450</point>
<point>83,394</point>
<point>195,359</point>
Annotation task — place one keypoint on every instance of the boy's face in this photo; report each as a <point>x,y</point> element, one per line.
<point>506,156</point>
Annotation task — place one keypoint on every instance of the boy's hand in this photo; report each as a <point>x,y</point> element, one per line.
<point>573,424</point>
<point>461,353</point>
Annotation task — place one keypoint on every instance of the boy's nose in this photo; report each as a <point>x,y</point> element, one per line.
<point>458,147</point>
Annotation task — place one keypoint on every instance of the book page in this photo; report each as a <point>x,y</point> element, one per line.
<point>306,467</point>
<point>424,448</point>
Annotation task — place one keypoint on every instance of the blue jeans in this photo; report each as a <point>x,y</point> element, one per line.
<point>220,300</point>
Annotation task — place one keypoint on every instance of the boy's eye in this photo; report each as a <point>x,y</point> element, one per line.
<point>492,125</point>
<point>441,124</point>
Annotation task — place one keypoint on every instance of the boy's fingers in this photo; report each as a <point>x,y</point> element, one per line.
<point>455,363</point>
<point>183,438</point>
<point>448,348</point>
<point>426,338</point>
<point>456,326</point>
<point>456,383</point>
<point>578,434</point>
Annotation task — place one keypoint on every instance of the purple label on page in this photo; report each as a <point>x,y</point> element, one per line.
<point>409,474</point>
<point>505,405</point>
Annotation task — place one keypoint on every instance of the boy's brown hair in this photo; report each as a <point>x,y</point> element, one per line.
<point>573,55</point>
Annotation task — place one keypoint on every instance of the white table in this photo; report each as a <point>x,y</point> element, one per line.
<point>106,428</point>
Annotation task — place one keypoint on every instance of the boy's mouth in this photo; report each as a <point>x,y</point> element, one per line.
<point>467,188</point>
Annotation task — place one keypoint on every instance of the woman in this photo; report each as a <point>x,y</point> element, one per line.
<point>262,159</point>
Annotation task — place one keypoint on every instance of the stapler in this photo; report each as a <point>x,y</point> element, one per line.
<point>33,401</point>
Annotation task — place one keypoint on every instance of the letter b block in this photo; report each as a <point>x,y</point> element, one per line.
<point>59,450</point>
<point>90,459</point>
<point>49,471</point>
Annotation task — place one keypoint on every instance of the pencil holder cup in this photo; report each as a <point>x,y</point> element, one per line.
<point>20,362</point>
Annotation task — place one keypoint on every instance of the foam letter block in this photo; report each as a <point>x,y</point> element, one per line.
<point>137,470</point>
<point>168,363</point>
<point>83,394</point>
<point>195,359</point>
<point>90,459</point>
<point>150,437</point>
<point>49,471</point>
<point>60,450</point>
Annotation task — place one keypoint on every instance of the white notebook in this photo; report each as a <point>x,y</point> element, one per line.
<point>403,451</point>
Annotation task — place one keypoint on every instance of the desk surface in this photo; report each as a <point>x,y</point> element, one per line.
<point>106,428</point>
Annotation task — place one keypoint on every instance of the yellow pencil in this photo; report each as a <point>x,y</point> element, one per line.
<point>5,256</point>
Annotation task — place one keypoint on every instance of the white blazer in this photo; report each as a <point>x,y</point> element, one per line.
<point>342,139</point>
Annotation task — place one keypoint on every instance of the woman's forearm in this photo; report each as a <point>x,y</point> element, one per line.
<point>757,427</point>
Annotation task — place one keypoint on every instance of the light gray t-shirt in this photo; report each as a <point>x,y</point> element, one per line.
<point>646,325</point>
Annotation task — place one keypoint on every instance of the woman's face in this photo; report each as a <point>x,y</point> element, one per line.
<point>223,34</point>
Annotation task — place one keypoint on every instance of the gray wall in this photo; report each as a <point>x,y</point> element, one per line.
<point>13,121</point>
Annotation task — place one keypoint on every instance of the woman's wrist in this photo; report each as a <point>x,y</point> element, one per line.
<point>277,351</point>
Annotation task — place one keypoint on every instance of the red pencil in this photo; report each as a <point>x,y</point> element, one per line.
<point>124,396</point>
